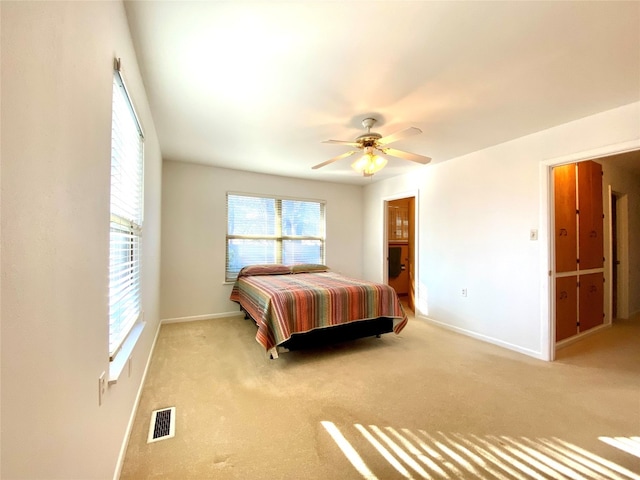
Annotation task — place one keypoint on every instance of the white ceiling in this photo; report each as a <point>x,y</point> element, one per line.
<point>258,85</point>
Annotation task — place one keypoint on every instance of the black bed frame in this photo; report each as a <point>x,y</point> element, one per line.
<point>336,333</point>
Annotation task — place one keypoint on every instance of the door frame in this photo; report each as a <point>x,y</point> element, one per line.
<point>622,247</point>
<point>547,248</point>
<point>414,283</point>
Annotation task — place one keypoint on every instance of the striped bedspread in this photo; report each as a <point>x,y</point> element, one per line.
<point>286,304</point>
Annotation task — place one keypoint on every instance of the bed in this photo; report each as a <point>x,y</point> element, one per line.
<point>294,306</point>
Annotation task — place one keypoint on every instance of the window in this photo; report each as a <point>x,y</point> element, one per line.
<point>273,230</point>
<point>126,216</point>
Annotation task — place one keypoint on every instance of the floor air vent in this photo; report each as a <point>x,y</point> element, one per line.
<point>163,424</point>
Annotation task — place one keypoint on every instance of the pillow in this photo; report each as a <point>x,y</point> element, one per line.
<point>309,268</point>
<point>267,269</point>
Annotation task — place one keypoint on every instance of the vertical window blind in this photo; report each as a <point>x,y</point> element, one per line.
<point>127,141</point>
<point>266,230</point>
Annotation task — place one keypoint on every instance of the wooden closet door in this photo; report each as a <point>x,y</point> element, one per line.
<point>566,307</point>
<point>564,180</point>
<point>578,232</point>
<point>591,300</point>
<point>590,232</point>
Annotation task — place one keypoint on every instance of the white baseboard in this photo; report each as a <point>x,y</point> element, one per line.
<point>127,435</point>
<point>485,338</point>
<point>206,316</point>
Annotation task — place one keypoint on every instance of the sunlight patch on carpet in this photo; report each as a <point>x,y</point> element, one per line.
<point>348,450</point>
<point>438,455</point>
<point>628,444</point>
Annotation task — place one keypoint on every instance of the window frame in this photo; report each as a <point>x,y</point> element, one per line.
<point>125,228</point>
<point>278,236</point>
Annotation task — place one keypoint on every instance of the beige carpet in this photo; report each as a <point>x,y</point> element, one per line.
<point>427,403</point>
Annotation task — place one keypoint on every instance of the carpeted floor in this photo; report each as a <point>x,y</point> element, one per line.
<point>427,403</point>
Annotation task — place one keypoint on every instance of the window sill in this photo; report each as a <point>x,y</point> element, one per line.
<point>116,366</point>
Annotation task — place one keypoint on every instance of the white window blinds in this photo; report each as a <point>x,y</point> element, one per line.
<point>126,216</point>
<point>266,230</point>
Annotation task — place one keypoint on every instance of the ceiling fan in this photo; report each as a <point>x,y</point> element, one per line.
<point>372,142</point>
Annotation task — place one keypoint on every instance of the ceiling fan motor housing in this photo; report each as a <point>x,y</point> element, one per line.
<point>368,139</point>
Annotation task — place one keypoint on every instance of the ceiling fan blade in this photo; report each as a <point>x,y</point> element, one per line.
<point>341,142</point>
<point>414,157</point>
<point>334,159</point>
<point>394,137</point>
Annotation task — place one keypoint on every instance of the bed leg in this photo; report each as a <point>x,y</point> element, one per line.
<point>378,336</point>
<point>273,353</point>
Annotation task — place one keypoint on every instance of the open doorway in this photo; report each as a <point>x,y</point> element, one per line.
<point>400,248</point>
<point>619,253</point>
<point>615,262</point>
<point>619,182</point>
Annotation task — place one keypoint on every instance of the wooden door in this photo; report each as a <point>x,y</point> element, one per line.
<point>579,247</point>
<point>591,302</point>
<point>564,180</point>
<point>590,216</point>
<point>566,307</point>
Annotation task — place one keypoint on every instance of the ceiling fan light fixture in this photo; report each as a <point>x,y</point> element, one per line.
<point>372,142</point>
<point>369,164</point>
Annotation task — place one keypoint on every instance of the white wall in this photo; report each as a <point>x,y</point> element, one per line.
<point>194,228</point>
<point>475,215</point>
<point>621,181</point>
<point>57,60</point>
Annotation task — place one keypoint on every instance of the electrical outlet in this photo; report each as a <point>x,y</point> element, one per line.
<point>102,387</point>
<point>464,292</point>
